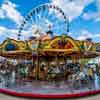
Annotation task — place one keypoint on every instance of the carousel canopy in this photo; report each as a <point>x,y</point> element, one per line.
<point>58,46</point>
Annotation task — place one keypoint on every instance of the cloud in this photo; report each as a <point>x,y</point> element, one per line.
<point>13,33</point>
<point>90,15</point>
<point>2,14</point>
<point>8,10</point>
<point>2,29</point>
<point>72,8</point>
<point>86,34</point>
<point>98,4</point>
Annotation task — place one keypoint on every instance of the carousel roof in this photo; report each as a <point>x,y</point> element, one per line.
<point>58,46</point>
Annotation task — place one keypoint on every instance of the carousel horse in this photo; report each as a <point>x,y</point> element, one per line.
<point>2,79</point>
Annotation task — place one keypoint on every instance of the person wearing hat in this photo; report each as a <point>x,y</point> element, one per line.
<point>51,73</point>
<point>43,72</point>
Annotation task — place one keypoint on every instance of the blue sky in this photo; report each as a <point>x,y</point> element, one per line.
<point>83,15</point>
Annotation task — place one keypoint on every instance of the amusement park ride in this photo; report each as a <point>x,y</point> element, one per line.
<point>54,55</point>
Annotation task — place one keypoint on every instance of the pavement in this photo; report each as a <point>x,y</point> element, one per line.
<point>7,97</point>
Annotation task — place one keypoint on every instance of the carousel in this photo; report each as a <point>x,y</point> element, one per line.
<point>54,64</point>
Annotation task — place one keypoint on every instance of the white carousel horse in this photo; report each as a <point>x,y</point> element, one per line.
<point>2,81</point>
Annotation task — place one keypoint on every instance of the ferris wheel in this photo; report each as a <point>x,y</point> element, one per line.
<point>42,19</point>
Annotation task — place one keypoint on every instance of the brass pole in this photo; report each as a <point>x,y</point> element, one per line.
<point>37,60</point>
<point>47,68</point>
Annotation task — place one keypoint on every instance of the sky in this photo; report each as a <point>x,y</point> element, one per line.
<point>83,16</point>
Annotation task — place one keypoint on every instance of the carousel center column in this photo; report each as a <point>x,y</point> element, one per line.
<point>35,53</point>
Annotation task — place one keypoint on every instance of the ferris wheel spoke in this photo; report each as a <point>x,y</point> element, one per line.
<point>44,27</point>
<point>59,24</point>
<point>52,16</point>
<point>45,13</point>
<point>35,17</point>
<point>39,18</point>
<point>41,13</point>
<point>44,16</point>
<point>51,20</point>
<point>33,22</point>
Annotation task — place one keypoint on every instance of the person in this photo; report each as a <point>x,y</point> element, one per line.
<point>2,76</point>
<point>31,71</point>
<point>90,73</point>
<point>81,75</point>
<point>13,76</point>
<point>76,80</point>
<point>43,72</point>
<point>62,67</point>
<point>24,71</point>
<point>8,74</point>
<point>2,70</point>
<point>2,81</point>
<point>20,71</point>
<point>67,74</point>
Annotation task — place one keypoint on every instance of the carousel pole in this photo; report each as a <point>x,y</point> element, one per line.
<point>65,62</point>
<point>98,65</point>
<point>37,60</point>
<point>47,67</point>
<point>74,59</point>
<point>81,63</point>
<point>35,43</point>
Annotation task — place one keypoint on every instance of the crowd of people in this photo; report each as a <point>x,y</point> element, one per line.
<point>11,73</point>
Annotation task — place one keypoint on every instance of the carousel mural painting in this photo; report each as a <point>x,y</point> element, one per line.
<point>42,59</point>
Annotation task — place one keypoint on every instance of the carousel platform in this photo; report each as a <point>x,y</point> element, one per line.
<point>61,89</point>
